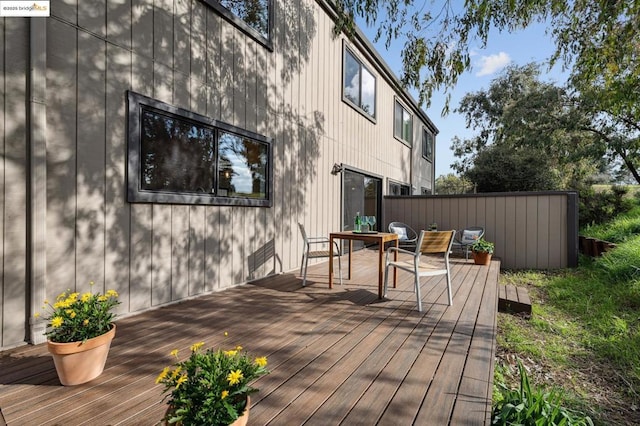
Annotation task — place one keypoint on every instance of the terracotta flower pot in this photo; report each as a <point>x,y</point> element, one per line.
<point>78,362</point>
<point>481,258</point>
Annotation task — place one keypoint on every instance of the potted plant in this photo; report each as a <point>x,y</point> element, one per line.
<point>79,332</point>
<point>210,387</point>
<point>482,251</point>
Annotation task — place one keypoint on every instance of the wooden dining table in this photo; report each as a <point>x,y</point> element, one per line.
<point>381,238</point>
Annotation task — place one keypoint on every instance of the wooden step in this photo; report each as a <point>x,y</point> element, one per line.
<point>514,299</point>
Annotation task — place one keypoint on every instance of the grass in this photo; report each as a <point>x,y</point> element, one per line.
<point>584,334</point>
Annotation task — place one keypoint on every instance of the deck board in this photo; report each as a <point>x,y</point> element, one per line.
<point>338,356</point>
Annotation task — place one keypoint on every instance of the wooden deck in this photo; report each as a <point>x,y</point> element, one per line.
<point>336,356</point>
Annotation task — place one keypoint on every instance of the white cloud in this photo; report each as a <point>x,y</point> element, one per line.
<point>492,63</point>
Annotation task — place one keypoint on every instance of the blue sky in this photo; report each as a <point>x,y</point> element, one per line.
<point>503,49</point>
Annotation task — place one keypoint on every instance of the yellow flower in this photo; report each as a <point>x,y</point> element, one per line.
<point>56,322</point>
<point>162,375</point>
<point>85,322</point>
<point>238,348</point>
<point>234,377</point>
<point>112,293</point>
<point>86,297</point>
<point>37,315</point>
<point>176,372</point>
<point>196,346</point>
<point>181,380</point>
<point>61,304</point>
<point>102,298</point>
<point>225,333</point>
<point>230,353</point>
<point>174,353</point>
<point>261,361</point>
<point>224,394</point>
<point>71,313</point>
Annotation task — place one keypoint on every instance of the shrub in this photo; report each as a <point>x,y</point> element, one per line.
<point>533,406</point>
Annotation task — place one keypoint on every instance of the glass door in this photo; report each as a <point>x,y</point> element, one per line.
<point>361,194</point>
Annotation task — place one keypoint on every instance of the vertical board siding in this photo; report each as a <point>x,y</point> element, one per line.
<point>14,196</point>
<point>183,53</point>
<point>530,231</point>
<point>62,132</point>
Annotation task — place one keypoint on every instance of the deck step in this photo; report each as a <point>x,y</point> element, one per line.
<point>514,299</point>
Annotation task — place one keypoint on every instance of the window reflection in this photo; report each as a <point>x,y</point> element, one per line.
<point>254,13</point>
<point>359,85</point>
<point>177,155</point>
<point>242,167</point>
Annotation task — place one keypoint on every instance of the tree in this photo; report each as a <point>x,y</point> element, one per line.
<point>452,184</point>
<point>519,113</point>
<point>597,40</point>
<point>500,168</point>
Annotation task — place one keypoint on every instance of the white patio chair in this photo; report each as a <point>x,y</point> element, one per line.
<point>465,239</point>
<point>407,237</point>
<point>429,242</point>
<point>308,253</point>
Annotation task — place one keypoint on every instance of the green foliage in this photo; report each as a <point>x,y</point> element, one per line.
<point>452,184</point>
<point>210,388</point>
<point>533,406</point>
<point>499,168</point>
<point>482,246</point>
<point>602,206</point>
<point>585,320</point>
<point>75,318</point>
<point>623,227</point>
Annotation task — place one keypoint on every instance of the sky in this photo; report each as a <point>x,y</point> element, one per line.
<point>502,49</point>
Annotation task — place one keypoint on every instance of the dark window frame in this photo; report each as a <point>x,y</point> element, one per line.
<point>402,187</point>
<point>372,117</point>
<point>401,136</point>
<point>243,26</point>
<point>428,138</point>
<point>136,104</point>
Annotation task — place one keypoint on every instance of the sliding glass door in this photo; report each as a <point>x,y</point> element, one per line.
<point>361,194</point>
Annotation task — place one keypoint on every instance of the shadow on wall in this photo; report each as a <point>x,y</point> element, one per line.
<point>193,59</point>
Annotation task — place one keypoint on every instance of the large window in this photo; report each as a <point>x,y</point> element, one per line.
<point>403,124</point>
<point>252,16</point>
<point>427,145</point>
<point>359,85</point>
<point>176,156</point>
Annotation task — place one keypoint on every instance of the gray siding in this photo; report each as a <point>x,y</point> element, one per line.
<point>530,230</point>
<point>180,52</point>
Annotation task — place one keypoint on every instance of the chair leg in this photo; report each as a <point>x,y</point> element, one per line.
<point>304,279</point>
<point>417,291</point>
<point>386,280</point>
<point>339,268</point>
<point>449,288</point>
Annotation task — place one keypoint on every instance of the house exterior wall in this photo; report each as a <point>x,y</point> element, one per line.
<point>66,220</point>
<point>531,230</point>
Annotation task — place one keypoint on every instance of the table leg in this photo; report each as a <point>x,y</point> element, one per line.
<point>380,277</point>
<point>350,251</point>
<point>395,270</point>
<point>331,262</point>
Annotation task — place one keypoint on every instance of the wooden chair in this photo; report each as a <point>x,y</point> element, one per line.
<point>429,242</point>
<point>308,253</point>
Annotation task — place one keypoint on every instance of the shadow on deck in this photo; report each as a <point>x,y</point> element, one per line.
<point>337,356</point>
